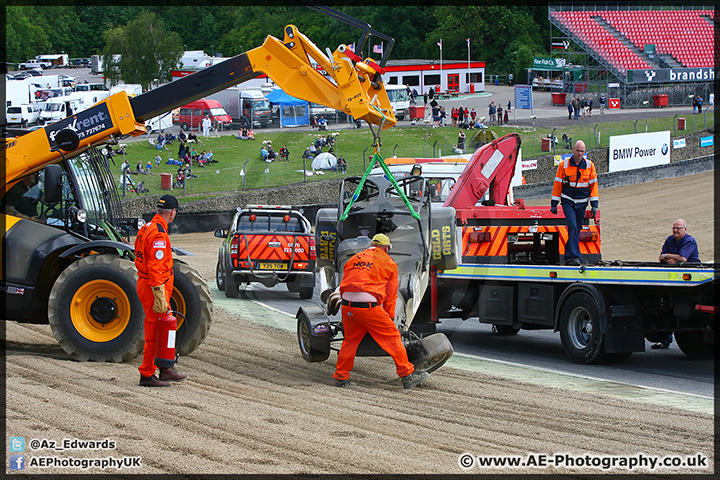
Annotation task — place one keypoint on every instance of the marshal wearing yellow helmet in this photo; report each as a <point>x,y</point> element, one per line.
<point>369,291</point>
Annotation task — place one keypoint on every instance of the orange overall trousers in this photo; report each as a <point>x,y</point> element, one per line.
<point>371,271</point>
<point>154,262</point>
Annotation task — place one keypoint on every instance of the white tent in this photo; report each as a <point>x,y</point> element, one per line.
<point>324,161</point>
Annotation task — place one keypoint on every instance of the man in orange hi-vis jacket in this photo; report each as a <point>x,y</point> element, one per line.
<point>575,184</point>
<point>369,291</point>
<point>154,262</point>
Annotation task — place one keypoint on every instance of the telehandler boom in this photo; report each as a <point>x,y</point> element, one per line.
<point>66,264</point>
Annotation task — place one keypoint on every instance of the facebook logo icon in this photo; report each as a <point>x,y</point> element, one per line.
<point>17,444</point>
<point>17,462</point>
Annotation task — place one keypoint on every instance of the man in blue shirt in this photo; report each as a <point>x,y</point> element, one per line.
<point>678,247</point>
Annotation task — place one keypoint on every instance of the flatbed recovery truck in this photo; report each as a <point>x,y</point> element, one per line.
<point>511,274</point>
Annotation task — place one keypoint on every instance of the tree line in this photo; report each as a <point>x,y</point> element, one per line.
<point>505,37</point>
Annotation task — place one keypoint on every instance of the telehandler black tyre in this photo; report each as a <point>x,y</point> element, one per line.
<point>438,350</point>
<point>94,311</point>
<point>191,297</point>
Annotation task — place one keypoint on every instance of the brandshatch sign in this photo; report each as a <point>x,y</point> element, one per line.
<point>671,75</point>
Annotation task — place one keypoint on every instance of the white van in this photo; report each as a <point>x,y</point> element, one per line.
<point>316,110</point>
<point>55,109</point>
<point>399,99</point>
<point>90,87</point>
<point>22,114</point>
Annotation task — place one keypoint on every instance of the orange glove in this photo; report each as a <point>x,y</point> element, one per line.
<point>160,305</point>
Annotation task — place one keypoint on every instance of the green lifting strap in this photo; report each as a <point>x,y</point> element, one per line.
<point>377,158</point>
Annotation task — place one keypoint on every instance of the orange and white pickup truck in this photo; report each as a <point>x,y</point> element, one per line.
<point>268,245</point>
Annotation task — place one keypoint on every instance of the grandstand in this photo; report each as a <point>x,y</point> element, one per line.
<point>641,53</point>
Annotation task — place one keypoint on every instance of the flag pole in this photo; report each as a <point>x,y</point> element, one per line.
<point>441,74</point>
<point>469,75</point>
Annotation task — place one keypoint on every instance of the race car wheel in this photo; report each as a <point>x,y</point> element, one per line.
<point>308,353</point>
<point>191,297</point>
<point>436,350</point>
<point>94,311</point>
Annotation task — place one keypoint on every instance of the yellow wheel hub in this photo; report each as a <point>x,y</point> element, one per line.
<point>177,303</point>
<point>100,311</point>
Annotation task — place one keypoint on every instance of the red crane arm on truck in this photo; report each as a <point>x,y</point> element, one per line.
<point>490,168</point>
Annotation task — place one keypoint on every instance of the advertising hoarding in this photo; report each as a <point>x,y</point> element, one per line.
<point>638,150</point>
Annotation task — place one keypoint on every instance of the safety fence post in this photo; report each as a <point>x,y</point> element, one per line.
<point>597,140</point>
<point>244,176</point>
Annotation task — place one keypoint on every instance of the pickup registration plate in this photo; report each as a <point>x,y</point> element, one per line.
<point>272,266</point>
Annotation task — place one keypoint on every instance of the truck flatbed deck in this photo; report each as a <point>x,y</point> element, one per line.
<point>610,273</point>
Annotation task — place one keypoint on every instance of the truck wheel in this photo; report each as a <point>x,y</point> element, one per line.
<point>191,297</point>
<point>580,329</point>
<point>94,311</point>
<point>692,345</point>
<point>306,293</point>
<point>436,350</point>
<point>232,290</point>
<point>505,329</point>
<point>244,123</point>
<point>292,282</point>
<point>220,277</point>
<point>309,353</point>
<point>185,126</point>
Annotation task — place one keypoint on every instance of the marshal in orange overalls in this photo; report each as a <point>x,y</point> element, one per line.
<point>154,262</point>
<point>371,271</point>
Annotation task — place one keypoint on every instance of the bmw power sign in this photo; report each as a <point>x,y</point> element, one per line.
<point>638,150</point>
<point>86,124</point>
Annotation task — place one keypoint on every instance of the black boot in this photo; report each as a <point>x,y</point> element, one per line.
<point>152,381</point>
<point>170,375</point>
